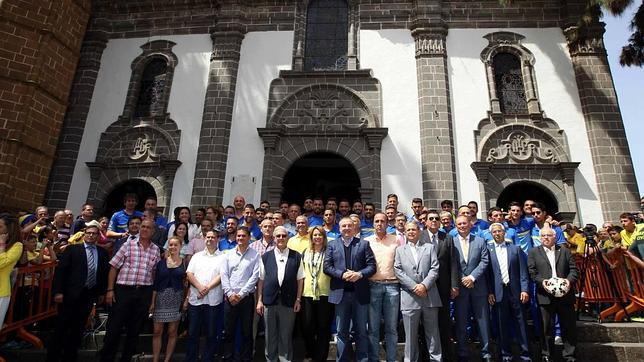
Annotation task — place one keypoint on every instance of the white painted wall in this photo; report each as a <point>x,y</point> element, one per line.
<point>185,107</point>
<point>263,55</point>
<point>391,56</point>
<point>557,92</point>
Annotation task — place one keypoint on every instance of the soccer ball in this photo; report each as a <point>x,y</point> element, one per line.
<point>557,287</point>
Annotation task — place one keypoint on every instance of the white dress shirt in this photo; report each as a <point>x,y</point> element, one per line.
<point>413,248</point>
<point>550,253</point>
<point>205,267</point>
<point>280,259</point>
<point>502,255</point>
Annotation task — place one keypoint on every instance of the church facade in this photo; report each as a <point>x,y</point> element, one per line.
<point>197,101</point>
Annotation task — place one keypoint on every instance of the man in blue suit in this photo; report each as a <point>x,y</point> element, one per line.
<point>349,262</point>
<point>472,299</point>
<point>508,282</point>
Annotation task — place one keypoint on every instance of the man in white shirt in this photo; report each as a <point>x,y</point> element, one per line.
<point>279,293</point>
<point>552,261</point>
<point>205,300</point>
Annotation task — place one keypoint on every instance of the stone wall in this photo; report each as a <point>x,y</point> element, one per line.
<point>40,42</point>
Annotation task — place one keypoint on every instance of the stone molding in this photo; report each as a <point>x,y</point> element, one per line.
<point>160,49</point>
<point>508,42</point>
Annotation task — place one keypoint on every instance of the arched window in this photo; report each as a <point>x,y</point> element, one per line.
<point>153,81</point>
<point>508,79</point>
<point>326,35</point>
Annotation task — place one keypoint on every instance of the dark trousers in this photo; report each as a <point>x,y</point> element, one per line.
<point>445,327</point>
<point>70,325</point>
<point>509,314</point>
<point>316,327</point>
<point>204,319</point>
<point>566,312</point>
<point>129,311</point>
<point>244,312</point>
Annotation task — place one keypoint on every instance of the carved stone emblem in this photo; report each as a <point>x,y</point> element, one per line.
<point>143,150</point>
<point>430,45</point>
<point>519,147</point>
<point>325,109</point>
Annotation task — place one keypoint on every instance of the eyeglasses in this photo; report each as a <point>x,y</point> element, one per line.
<point>537,212</point>
<point>281,235</point>
<point>433,218</point>
<point>91,233</point>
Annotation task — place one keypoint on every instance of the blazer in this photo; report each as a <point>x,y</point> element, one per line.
<point>476,265</point>
<point>517,271</point>
<point>540,269</point>
<point>410,273</point>
<point>449,275</point>
<point>71,272</point>
<point>362,260</point>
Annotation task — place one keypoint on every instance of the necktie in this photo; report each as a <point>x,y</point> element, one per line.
<point>433,239</point>
<point>91,269</point>
<point>503,264</point>
<point>466,249</point>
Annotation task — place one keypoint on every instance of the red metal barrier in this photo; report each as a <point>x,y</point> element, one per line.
<point>599,287</point>
<point>31,301</point>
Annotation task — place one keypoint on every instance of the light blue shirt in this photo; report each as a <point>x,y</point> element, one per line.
<point>240,272</point>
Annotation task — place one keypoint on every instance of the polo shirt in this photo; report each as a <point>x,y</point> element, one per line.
<point>118,222</point>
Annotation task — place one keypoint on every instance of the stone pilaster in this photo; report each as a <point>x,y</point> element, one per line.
<point>80,98</point>
<point>436,134</point>
<point>212,156</point>
<point>608,145</point>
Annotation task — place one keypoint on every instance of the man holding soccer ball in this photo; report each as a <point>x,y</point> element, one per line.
<point>553,269</point>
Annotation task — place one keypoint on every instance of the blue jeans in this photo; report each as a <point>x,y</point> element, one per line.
<point>207,319</point>
<point>385,304</point>
<point>350,312</point>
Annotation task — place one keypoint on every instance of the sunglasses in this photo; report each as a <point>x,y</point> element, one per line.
<point>433,218</point>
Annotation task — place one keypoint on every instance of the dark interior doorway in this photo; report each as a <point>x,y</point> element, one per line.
<point>114,201</point>
<point>321,174</point>
<point>525,190</point>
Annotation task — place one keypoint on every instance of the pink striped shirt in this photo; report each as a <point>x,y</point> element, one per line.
<point>136,264</point>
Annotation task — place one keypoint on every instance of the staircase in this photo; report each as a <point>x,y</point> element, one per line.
<point>608,342</point>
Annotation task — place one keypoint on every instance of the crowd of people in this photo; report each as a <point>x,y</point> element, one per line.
<point>326,269</point>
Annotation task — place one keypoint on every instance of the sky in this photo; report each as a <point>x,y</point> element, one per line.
<point>629,83</point>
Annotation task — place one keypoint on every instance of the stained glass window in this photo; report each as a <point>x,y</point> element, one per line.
<point>326,35</point>
<point>509,84</point>
<point>152,87</point>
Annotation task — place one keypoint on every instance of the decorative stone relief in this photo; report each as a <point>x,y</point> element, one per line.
<point>327,108</point>
<point>521,148</point>
<point>143,150</point>
<point>430,44</point>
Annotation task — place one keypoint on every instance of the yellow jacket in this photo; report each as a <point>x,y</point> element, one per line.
<point>8,260</point>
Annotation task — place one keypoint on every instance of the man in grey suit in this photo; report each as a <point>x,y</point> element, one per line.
<point>416,267</point>
<point>472,299</point>
<point>449,279</point>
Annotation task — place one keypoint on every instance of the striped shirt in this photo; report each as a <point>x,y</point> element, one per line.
<point>135,263</point>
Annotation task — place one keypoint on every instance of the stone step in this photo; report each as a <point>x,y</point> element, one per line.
<point>613,332</point>
<point>604,352</point>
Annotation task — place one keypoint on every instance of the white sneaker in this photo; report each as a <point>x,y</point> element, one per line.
<point>558,341</point>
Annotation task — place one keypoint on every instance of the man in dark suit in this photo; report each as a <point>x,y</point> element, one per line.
<point>79,282</point>
<point>472,299</point>
<point>448,274</point>
<point>508,282</point>
<point>349,262</point>
<point>548,261</point>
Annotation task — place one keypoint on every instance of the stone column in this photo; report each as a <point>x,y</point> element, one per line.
<point>212,156</point>
<point>436,134</point>
<point>608,145</point>
<point>80,98</point>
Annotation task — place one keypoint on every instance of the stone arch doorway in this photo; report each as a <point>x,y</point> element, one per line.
<point>323,174</point>
<point>114,200</point>
<point>525,190</point>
